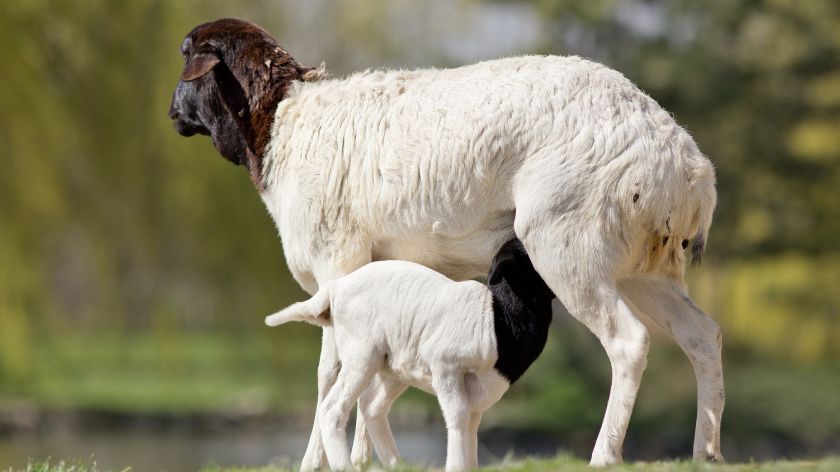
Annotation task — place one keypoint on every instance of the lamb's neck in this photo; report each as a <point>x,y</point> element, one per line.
<point>521,327</point>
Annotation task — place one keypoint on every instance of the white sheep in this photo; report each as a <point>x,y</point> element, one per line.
<point>398,323</point>
<point>442,166</point>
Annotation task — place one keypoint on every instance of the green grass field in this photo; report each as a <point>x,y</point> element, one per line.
<point>559,463</point>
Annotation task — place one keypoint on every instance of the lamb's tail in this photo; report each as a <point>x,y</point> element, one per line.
<point>314,311</point>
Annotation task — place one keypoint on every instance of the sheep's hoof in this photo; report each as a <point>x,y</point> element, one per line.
<point>710,458</point>
<point>604,460</point>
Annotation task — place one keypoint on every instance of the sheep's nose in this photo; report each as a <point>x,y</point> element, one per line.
<point>174,112</point>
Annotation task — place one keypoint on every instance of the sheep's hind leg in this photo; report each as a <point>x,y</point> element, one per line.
<point>581,276</point>
<point>374,405</point>
<point>666,302</point>
<point>625,339</point>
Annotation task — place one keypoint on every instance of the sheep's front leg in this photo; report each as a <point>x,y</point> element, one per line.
<point>328,367</point>
<point>454,402</point>
<point>355,256</point>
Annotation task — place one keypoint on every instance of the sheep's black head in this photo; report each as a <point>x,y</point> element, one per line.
<point>512,265</point>
<point>234,75</point>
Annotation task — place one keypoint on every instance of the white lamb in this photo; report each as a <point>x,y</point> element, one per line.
<point>398,323</point>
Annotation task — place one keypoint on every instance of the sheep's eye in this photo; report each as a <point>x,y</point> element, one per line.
<point>185,48</point>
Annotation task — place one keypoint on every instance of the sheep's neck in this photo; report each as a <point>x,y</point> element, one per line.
<point>521,325</point>
<point>251,88</point>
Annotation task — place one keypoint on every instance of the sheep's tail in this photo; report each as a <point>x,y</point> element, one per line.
<point>704,196</point>
<point>314,311</point>
<point>704,213</point>
<point>683,212</point>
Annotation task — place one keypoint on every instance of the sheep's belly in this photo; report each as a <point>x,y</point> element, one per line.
<point>459,254</point>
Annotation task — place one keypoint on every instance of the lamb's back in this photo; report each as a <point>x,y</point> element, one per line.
<point>415,315</point>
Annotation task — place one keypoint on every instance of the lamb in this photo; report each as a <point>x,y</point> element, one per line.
<point>402,324</point>
<point>442,166</point>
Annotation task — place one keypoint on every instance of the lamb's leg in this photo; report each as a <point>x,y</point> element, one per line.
<point>374,405</point>
<point>361,453</point>
<point>475,421</point>
<point>454,402</point>
<point>334,411</point>
<point>328,367</point>
<point>667,303</point>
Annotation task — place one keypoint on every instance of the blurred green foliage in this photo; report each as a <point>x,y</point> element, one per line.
<point>136,265</point>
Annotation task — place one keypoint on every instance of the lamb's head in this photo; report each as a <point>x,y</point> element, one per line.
<point>234,104</point>
<point>513,266</point>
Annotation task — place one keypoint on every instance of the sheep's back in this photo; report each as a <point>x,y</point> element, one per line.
<point>430,136</point>
<point>407,154</point>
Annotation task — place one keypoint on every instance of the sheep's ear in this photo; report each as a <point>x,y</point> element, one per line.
<point>199,64</point>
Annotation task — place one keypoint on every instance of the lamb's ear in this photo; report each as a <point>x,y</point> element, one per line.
<point>497,268</point>
<point>198,65</point>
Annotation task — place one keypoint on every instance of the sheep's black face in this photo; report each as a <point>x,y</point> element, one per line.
<point>184,111</point>
<point>234,76</point>
<point>197,108</point>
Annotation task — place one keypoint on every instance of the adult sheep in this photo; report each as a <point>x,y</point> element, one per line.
<point>441,167</point>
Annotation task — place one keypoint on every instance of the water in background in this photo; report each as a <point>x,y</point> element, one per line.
<point>183,450</point>
<point>178,447</point>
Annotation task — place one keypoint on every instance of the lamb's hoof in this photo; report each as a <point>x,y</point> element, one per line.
<point>359,464</point>
<point>360,456</point>
<point>309,466</point>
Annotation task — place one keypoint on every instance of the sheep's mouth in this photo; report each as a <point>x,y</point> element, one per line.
<point>187,129</point>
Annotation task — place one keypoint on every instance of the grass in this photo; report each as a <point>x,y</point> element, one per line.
<point>78,465</point>
<point>567,463</point>
<point>560,463</point>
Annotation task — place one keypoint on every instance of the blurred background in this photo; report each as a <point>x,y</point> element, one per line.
<point>136,266</point>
